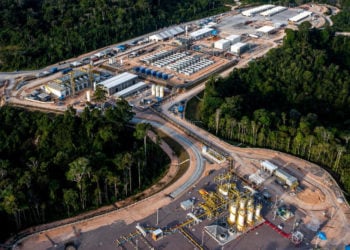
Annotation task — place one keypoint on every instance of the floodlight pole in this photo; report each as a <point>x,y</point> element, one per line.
<point>157,215</point>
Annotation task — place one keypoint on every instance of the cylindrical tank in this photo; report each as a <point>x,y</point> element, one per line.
<point>223,190</point>
<point>148,71</point>
<point>233,208</point>
<point>159,74</point>
<point>241,220</point>
<point>242,203</point>
<point>257,212</point>
<point>165,76</point>
<point>137,69</point>
<point>154,73</point>
<point>232,219</point>
<point>161,91</point>
<point>157,91</point>
<point>142,70</point>
<point>250,202</point>
<point>88,97</point>
<point>153,89</point>
<point>250,215</point>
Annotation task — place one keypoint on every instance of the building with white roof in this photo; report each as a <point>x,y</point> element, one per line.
<point>131,90</point>
<point>266,30</point>
<point>239,48</point>
<point>169,33</point>
<point>233,38</point>
<point>300,16</point>
<point>273,11</point>
<point>119,82</point>
<point>222,44</point>
<point>198,34</point>
<point>252,12</point>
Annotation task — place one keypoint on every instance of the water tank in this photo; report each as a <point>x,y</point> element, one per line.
<point>250,215</point>
<point>159,74</point>
<point>153,89</point>
<point>137,69</point>
<point>233,208</point>
<point>88,97</point>
<point>257,212</point>
<point>232,219</point>
<point>142,70</point>
<point>148,71</point>
<point>165,76</point>
<point>242,203</point>
<point>241,220</point>
<point>154,73</point>
<point>161,91</point>
<point>157,91</point>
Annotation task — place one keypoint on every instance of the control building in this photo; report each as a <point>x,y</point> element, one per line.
<point>119,82</point>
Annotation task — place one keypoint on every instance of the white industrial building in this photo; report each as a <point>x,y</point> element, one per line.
<point>234,39</point>
<point>273,11</point>
<point>239,48</point>
<point>119,82</point>
<point>252,12</point>
<point>290,180</point>
<point>167,34</point>
<point>268,166</point>
<point>198,34</point>
<point>131,90</point>
<point>265,30</point>
<point>222,44</point>
<point>300,16</point>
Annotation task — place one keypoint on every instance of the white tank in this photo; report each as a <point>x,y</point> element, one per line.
<point>232,219</point>
<point>250,202</point>
<point>157,91</point>
<point>88,96</point>
<point>242,203</point>
<point>161,91</point>
<point>153,89</point>
<point>233,208</point>
<point>257,212</point>
<point>250,215</point>
<point>241,220</point>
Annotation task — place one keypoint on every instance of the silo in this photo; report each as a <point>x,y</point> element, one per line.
<point>153,89</point>
<point>258,212</point>
<point>233,214</point>
<point>250,202</point>
<point>242,203</point>
<point>161,91</point>
<point>157,91</point>
<point>250,215</point>
<point>241,220</point>
<point>88,97</point>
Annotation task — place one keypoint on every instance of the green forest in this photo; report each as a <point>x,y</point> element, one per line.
<point>55,166</point>
<point>295,99</point>
<point>37,33</point>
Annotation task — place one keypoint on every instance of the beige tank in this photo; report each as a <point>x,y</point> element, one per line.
<point>258,212</point>
<point>242,203</point>
<point>231,219</point>
<point>241,220</point>
<point>250,215</point>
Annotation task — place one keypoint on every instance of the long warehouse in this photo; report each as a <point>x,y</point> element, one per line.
<point>131,90</point>
<point>119,82</point>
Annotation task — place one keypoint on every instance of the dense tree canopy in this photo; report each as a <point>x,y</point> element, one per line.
<point>296,99</point>
<point>37,33</point>
<point>52,166</point>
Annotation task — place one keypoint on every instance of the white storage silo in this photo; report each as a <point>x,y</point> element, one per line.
<point>233,214</point>
<point>161,91</point>
<point>88,96</point>
<point>153,88</point>
<point>250,215</point>
<point>242,203</point>
<point>157,91</point>
<point>250,202</point>
<point>241,220</point>
<point>258,212</point>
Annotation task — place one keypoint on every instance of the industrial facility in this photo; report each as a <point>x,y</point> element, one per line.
<point>119,82</point>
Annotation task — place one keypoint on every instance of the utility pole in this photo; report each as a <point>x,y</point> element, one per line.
<point>202,237</point>
<point>157,215</point>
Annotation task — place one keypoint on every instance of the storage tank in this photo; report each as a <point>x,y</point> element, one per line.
<point>242,203</point>
<point>250,202</point>
<point>165,76</point>
<point>233,208</point>
<point>157,91</point>
<point>142,70</point>
<point>148,71</point>
<point>231,219</point>
<point>258,212</point>
<point>161,91</point>
<point>159,74</point>
<point>241,220</point>
<point>154,73</point>
<point>153,89</point>
<point>250,215</point>
<point>88,96</point>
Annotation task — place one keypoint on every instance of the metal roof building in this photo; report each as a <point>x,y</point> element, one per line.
<point>239,48</point>
<point>198,34</point>
<point>290,180</point>
<point>266,29</point>
<point>268,166</point>
<point>169,33</point>
<point>119,82</point>
<point>300,16</point>
<point>273,11</point>
<point>252,12</point>
<point>131,90</point>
